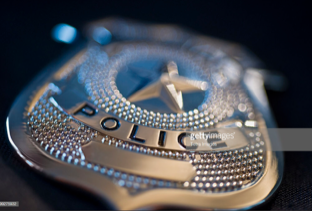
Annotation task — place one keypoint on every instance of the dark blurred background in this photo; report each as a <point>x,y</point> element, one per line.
<point>278,32</point>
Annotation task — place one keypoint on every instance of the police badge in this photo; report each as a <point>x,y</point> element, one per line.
<point>152,116</point>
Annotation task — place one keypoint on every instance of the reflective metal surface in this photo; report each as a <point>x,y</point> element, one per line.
<point>152,115</point>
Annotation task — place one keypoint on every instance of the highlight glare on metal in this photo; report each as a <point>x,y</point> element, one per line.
<point>64,33</point>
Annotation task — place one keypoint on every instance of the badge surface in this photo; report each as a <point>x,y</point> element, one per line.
<point>147,116</point>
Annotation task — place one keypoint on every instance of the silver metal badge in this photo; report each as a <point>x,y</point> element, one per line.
<point>151,115</point>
